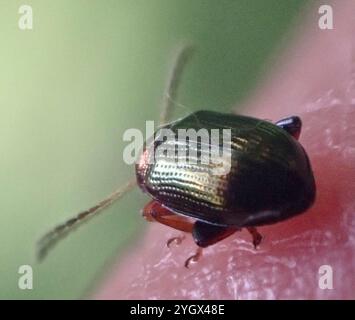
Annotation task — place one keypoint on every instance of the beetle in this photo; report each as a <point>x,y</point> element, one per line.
<point>270,177</point>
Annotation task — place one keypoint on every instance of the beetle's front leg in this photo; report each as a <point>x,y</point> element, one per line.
<point>154,211</point>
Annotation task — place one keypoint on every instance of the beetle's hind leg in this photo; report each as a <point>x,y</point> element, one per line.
<point>257,237</point>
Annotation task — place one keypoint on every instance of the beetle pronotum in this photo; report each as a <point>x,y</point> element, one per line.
<point>270,178</point>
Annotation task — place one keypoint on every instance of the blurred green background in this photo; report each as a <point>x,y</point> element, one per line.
<point>72,85</point>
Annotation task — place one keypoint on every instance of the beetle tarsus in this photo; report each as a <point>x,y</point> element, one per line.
<point>194,258</point>
<point>175,240</point>
<point>257,237</point>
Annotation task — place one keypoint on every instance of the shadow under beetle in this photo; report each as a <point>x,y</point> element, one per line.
<point>270,178</point>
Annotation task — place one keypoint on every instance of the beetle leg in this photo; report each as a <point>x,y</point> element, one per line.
<point>154,211</point>
<point>257,237</point>
<point>205,234</point>
<point>292,125</point>
<point>177,240</point>
<point>194,258</point>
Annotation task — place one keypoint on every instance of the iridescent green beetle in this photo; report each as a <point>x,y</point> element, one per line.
<point>270,179</point>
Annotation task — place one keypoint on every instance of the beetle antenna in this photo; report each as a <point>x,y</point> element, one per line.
<point>49,240</point>
<point>182,56</point>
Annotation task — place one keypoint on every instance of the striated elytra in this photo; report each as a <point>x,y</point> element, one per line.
<point>270,179</point>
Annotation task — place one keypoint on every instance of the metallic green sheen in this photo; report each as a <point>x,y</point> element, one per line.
<point>270,178</point>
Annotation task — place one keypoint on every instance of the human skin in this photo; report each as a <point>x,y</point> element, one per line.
<point>315,80</point>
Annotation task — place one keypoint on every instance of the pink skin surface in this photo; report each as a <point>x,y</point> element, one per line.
<point>314,80</point>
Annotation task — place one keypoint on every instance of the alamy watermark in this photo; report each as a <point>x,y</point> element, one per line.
<point>210,147</point>
<point>25,281</point>
<point>25,21</point>
<point>325,21</point>
<point>325,281</point>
